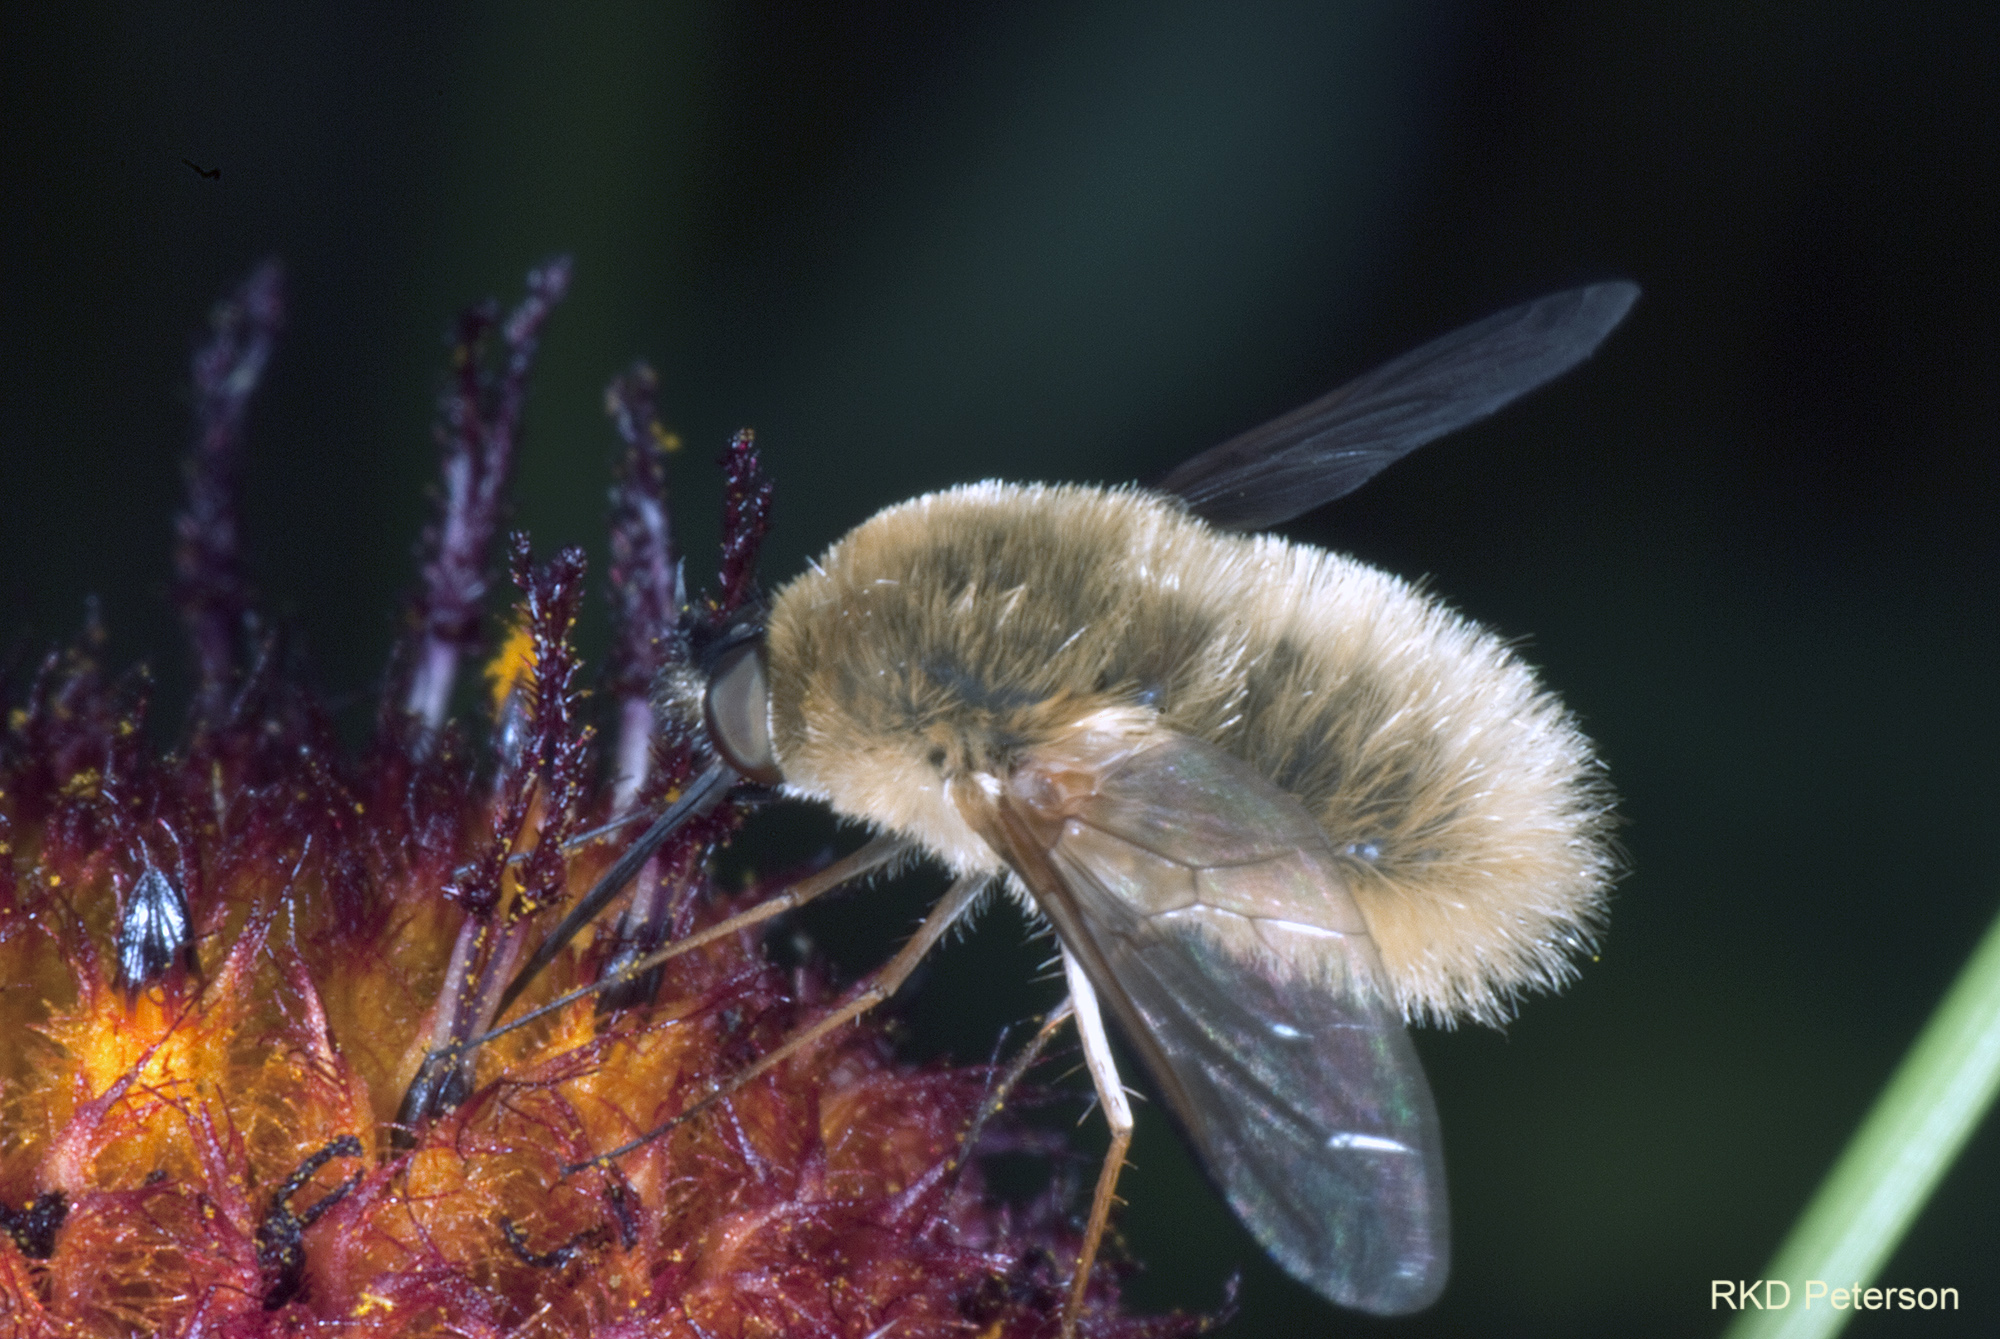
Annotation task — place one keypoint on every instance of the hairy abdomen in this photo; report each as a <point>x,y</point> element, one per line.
<point>951,633</point>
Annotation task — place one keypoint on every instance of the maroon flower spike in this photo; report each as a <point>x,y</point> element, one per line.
<point>746,516</point>
<point>479,421</point>
<point>645,573</point>
<point>209,583</point>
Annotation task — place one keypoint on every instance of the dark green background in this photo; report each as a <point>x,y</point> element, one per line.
<point>1753,543</point>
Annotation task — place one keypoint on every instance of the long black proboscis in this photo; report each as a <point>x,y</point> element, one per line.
<point>702,795</point>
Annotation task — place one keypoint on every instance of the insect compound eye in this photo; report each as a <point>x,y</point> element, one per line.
<point>737,708</point>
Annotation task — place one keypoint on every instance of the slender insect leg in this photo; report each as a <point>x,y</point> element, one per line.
<point>869,858</point>
<point>472,996</point>
<point>442,1071</point>
<point>1012,1076</point>
<point>960,896</point>
<point>1117,1114</point>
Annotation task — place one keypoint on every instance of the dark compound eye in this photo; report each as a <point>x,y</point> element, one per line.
<point>738,711</point>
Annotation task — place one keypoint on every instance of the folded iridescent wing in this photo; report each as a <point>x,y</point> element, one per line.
<point>1214,921</point>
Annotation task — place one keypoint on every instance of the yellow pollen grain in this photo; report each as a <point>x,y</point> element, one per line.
<point>369,1304</point>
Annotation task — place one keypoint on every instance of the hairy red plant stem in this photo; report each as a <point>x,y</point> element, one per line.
<point>746,512</point>
<point>210,586</point>
<point>646,582</point>
<point>478,431</point>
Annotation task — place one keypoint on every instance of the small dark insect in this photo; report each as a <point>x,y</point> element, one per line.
<point>153,930</point>
<point>281,1252</point>
<point>1274,802</point>
<point>34,1225</point>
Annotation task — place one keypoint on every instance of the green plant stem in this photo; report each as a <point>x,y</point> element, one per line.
<point>1930,1107</point>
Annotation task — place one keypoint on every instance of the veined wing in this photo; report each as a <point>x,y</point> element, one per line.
<point>1329,448</point>
<point>1211,916</point>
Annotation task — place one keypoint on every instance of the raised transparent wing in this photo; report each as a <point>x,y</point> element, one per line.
<point>1332,446</point>
<point>1211,916</point>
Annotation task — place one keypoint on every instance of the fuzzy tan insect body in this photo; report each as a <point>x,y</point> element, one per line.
<point>1274,802</point>
<point>961,631</point>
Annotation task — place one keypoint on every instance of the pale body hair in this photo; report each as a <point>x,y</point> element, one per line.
<point>962,629</point>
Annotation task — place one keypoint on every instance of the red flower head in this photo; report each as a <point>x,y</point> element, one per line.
<point>223,968</point>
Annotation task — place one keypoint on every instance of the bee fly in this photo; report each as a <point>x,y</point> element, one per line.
<point>1275,803</point>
